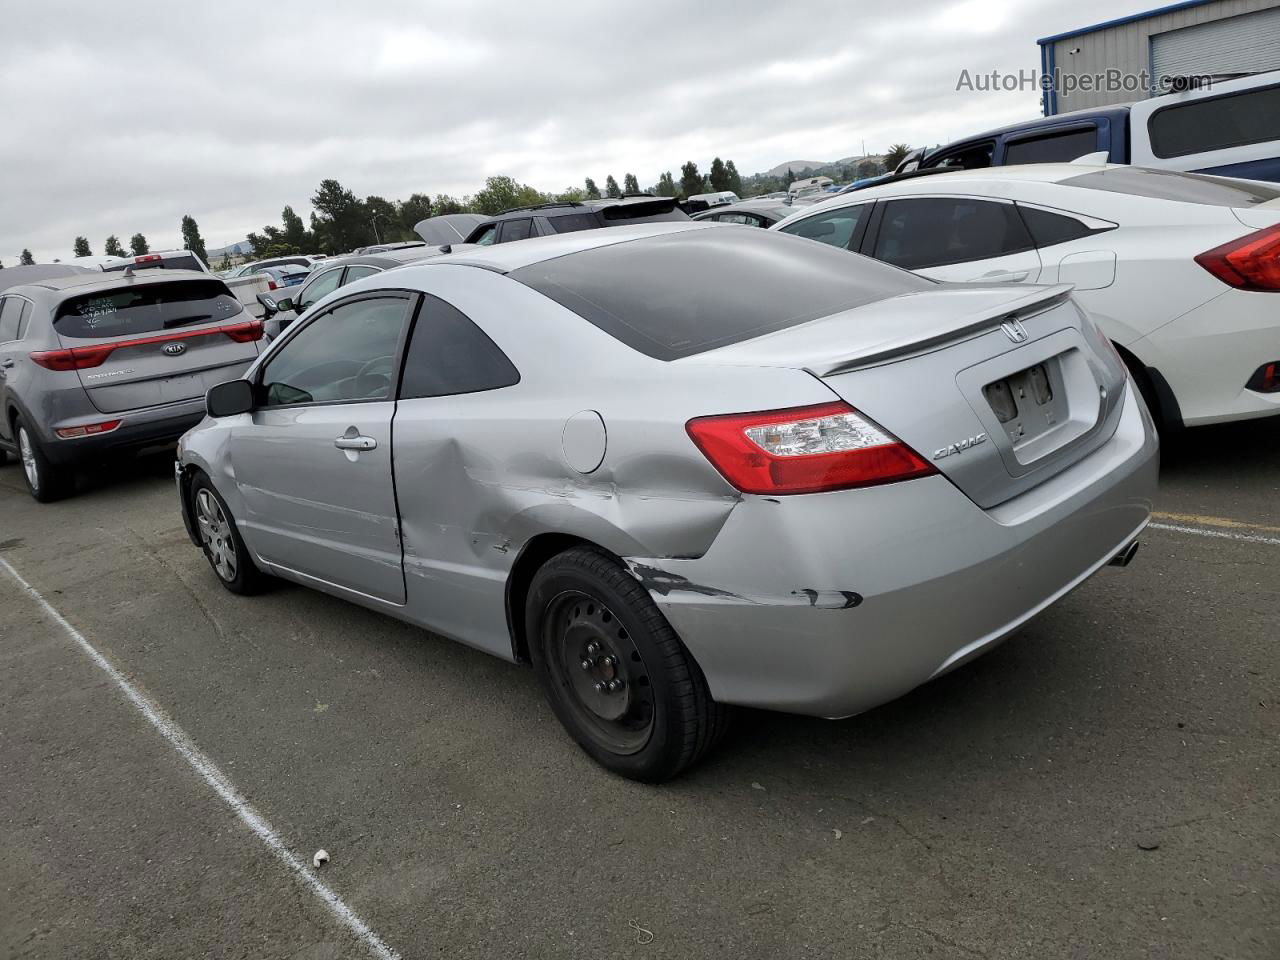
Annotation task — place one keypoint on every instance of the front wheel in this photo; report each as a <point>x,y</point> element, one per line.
<point>221,541</point>
<point>616,674</point>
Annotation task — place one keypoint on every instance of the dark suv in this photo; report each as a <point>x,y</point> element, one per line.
<point>548,219</point>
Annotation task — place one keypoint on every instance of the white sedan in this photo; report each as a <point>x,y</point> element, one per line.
<point>1180,270</point>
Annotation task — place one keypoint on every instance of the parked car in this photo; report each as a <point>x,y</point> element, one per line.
<point>672,496</point>
<point>157,260</point>
<point>36,272</point>
<point>1180,270</point>
<point>447,228</point>
<point>256,266</point>
<point>280,311</point>
<point>718,198</point>
<point>288,275</point>
<point>1231,128</point>
<point>751,213</point>
<point>93,364</point>
<point>549,219</point>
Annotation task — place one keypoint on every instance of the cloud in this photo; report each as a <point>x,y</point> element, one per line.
<point>122,122</point>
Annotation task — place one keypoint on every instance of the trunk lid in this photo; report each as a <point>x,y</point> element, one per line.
<point>1000,389</point>
<point>149,342</point>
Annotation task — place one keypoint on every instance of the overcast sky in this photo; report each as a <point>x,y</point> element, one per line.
<point>118,119</point>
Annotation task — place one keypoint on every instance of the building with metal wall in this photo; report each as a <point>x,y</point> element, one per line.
<point>1135,57</point>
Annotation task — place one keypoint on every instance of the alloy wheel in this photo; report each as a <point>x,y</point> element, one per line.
<point>215,531</point>
<point>595,659</point>
<point>27,451</point>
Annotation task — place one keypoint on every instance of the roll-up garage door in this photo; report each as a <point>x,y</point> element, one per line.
<point>1249,43</point>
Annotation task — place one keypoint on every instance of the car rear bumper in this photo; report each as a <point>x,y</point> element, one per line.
<point>138,430</point>
<point>830,604</point>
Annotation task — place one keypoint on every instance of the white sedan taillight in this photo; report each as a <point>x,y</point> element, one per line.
<point>804,450</point>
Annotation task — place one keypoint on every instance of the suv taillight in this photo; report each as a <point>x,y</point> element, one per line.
<point>804,450</point>
<point>1249,263</point>
<point>81,358</point>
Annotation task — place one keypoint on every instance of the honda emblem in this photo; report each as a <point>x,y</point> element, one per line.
<point>1014,330</point>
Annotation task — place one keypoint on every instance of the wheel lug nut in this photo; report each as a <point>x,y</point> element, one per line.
<point>593,648</point>
<point>586,664</point>
<point>600,687</point>
<point>615,686</point>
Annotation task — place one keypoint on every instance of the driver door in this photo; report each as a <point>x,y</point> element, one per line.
<point>312,462</point>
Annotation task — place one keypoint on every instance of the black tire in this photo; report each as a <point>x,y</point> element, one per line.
<point>45,481</point>
<point>220,540</point>
<point>663,719</point>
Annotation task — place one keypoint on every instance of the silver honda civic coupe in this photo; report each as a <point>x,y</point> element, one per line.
<point>680,467</point>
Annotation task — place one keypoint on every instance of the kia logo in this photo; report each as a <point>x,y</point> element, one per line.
<point>175,349</point>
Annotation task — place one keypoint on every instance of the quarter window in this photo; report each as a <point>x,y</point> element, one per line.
<point>359,272</point>
<point>934,232</point>
<point>487,235</point>
<point>10,310</point>
<point>516,230</point>
<point>836,227</point>
<point>345,355</point>
<point>1061,147</point>
<point>448,354</point>
<point>1049,228</point>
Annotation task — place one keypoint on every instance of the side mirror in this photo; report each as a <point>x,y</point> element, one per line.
<point>284,304</point>
<point>228,399</point>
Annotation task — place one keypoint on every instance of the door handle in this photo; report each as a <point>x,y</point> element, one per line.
<point>355,443</point>
<point>6,363</point>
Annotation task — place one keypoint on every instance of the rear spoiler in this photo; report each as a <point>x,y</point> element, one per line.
<point>1035,300</point>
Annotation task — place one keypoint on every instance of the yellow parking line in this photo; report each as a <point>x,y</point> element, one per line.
<point>1195,518</point>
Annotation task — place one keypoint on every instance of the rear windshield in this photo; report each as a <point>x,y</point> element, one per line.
<point>154,308</point>
<point>680,294</point>
<point>1216,123</point>
<point>573,222</point>
<point>644,211</point>
<point>184,261</point>
<point>1174,185</point>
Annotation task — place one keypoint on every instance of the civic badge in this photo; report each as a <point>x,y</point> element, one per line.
<point>175,349</point>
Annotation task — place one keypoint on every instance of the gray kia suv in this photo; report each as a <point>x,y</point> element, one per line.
<point>96,364</point>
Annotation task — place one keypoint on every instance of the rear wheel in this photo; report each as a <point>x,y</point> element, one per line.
<point>45,481</point>
<point>221,542</point>
<point>616,674</point>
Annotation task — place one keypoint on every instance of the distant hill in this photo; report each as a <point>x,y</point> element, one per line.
<point>795,166</point>
<point>241,249</point>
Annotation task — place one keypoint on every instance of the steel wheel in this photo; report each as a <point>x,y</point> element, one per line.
<point>595,659</point>
<point>28,454</point>
<point>216,534</point>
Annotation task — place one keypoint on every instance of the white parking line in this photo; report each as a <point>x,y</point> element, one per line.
<point>1223,534</point>
<point>216,779</point>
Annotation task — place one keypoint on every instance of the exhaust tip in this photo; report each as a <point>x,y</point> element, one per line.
<point>1125,556</point>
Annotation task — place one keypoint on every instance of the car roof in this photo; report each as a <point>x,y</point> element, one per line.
<point>35,273</point>
<point>747,206</point>
<point>506,257</point>
<point>88,282</point>
<point>555,208</point>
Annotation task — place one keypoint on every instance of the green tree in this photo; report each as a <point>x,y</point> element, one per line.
<point>81,248</point>
<point>112,247</point>
<point>630,184</point>
<point>295,234</point>
<point>791,178</point>
<point>412,212</point>
<point>867,168</point>
<point>593,192</point>
<point>690,179</point>
<point>504,193</point>
<point>138,244</point>
<point>733,180</point>
<point>191,239</point>
<point>340,222</point>
<point>571,195</point>
<point>384,219</point>
<point>445,204</point>
<point>718,176</point>
<point>611,187</point>
<point>895,155</point>
<point>225,263</point>
<point>666,185</point>
<point>26,259</point>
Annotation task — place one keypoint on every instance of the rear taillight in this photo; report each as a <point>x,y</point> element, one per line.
<point>271,285</point>
<point>804,450</point>
<point>1249,263</point>
<point>1266,379</point>
<point>81,358</point>
<point>88,430</point>
<point>147,258</point>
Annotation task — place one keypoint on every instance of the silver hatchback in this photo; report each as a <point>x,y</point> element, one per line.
<point>96,364</point>
<point>680,467</point>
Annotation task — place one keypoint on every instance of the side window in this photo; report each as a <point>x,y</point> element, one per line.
<point>1050,228</point>
<point>318,287</point>
<point>573,222</point>
<point>356,273</point>
<point>448,354</point>
<point>835,227</point>
<point>487,236</point>
<point>971,157</point>
<point>515,230</point>
<point>10,310</point>
<point>24,320</point>
<point>934,232</point>
<point>1062,147</point>
<point>345,355</point>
